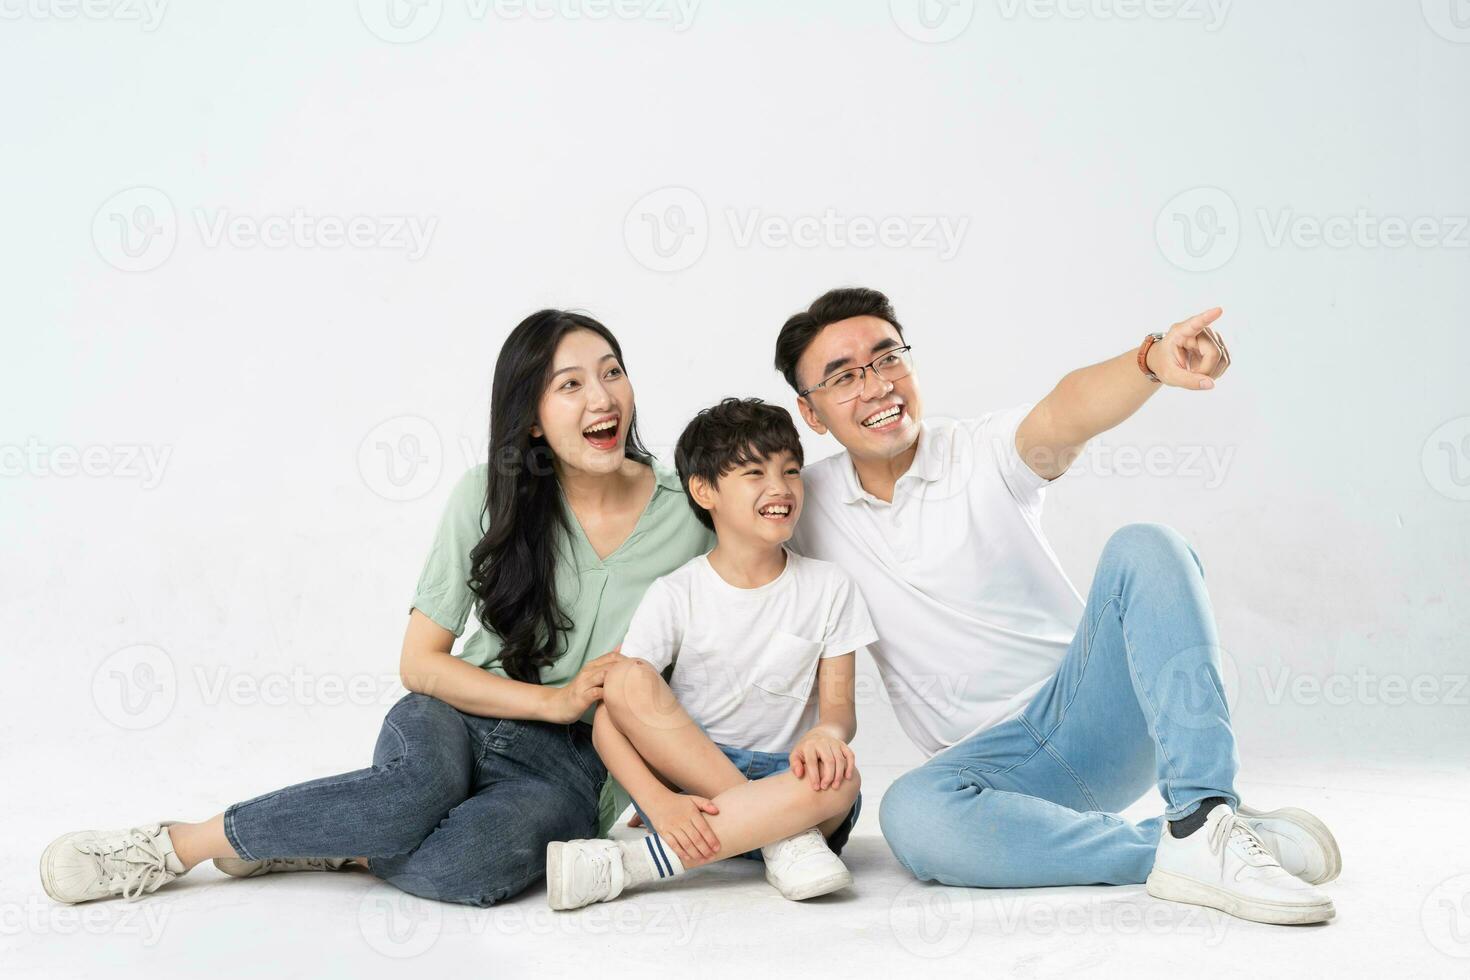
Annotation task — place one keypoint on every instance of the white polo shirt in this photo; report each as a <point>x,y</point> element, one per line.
<point>972,608</point>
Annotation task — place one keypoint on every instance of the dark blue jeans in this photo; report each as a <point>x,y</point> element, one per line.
<point>455,807</point>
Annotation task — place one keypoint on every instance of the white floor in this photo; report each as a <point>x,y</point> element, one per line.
<point>1403,910</point>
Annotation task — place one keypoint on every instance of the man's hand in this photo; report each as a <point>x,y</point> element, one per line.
<point>822,760</point>
<point>565,705</point>
<point>679,820</point>
<point>1192,354</point>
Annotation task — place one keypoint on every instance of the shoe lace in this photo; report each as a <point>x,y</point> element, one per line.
<point>131,862</point>
<point>601,860</point>
<point>795,848</point>
<point>1234,827</point>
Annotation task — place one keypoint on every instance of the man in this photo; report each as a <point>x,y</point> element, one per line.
<point>1042,715</point>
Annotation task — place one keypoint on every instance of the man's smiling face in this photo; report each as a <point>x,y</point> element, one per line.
<point>882,420</point>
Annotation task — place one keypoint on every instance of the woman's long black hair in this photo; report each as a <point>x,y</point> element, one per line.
<point>513,568</point>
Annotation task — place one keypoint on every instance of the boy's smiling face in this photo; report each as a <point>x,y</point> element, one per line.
<point>755,501</point>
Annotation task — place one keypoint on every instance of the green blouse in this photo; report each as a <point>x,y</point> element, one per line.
<point>597,595</point>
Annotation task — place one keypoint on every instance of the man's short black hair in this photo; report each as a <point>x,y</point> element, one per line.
<point>733,433</point>
<point>829,308</point>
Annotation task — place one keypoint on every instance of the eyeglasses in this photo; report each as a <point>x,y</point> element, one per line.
<point>848,383</point>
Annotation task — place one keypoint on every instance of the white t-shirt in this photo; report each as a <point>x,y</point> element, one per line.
<point>974,610</point>
<point>745,660</point>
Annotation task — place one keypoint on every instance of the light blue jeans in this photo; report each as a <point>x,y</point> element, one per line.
<point>1136,701</point>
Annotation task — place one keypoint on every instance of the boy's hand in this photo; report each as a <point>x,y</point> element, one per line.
<point>679,820</point>
<point>822,760</point>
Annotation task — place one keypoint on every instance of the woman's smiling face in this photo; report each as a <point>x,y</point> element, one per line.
<point>587,406</point>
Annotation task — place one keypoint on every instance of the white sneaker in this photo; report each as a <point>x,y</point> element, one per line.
<point>236,868</point>
<point>1224,865</point>
<point>1302,843</point>
<point>580,872</point>
<point>803,866</point>
<point>91,864</point>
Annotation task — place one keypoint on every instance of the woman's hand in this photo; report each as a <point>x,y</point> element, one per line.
<point>566,704</point>
<point>679,820</point>
<point>822,760</point>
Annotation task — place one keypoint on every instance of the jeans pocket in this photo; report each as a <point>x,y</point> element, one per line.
<point>586,755</point>
<point>503,735</point>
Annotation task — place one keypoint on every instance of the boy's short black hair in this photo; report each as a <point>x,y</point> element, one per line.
<point>831,307</point>
<point>734,432</point>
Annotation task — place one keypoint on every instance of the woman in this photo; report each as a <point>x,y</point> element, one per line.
<point>489,758</point>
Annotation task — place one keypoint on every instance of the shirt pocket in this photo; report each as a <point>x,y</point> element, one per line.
<point>788,666</point>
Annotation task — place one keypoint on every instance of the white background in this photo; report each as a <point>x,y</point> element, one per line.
<point>269,428</point>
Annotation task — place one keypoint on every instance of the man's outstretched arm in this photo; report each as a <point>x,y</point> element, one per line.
<point>1092,400</point>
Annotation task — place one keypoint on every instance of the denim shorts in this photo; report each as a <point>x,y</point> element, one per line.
<point>758,765</point>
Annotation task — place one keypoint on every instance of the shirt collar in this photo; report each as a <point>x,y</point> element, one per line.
<point>928,464</point>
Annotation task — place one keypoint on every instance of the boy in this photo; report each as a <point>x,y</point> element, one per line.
<point>754,722</point>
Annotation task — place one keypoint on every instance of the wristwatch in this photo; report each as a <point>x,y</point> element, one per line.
<point>1148,342</point>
